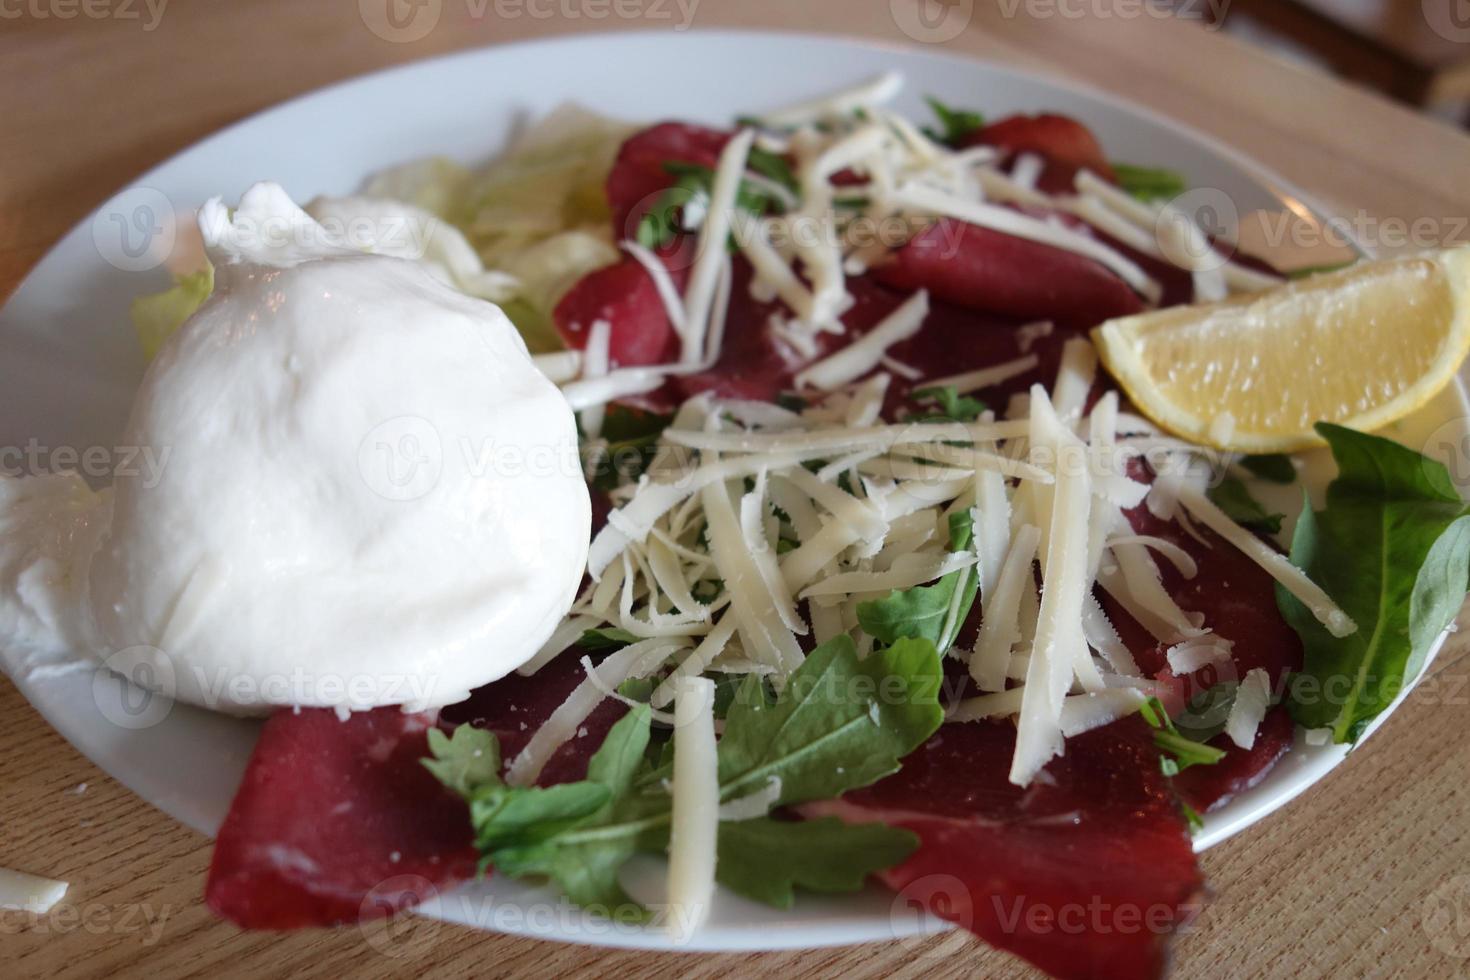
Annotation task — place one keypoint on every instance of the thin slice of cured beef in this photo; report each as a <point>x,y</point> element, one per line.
<point>1086,873</point>
<point>638,173</point>
<point>992,272</point>
<point>1064,144</point>
<point>338,821</point>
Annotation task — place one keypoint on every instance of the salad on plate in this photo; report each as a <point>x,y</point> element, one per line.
<point>827,501</point>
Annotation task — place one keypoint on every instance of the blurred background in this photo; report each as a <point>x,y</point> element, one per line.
<point>1415,51</point>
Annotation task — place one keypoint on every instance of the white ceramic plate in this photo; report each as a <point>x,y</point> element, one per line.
<point>69,363</point>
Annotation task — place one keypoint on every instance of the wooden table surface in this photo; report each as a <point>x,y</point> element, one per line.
<point>1366,875</point>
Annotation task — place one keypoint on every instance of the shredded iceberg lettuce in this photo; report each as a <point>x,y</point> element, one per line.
<point>157,315</point>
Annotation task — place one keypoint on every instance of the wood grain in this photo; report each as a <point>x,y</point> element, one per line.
<point>1355,879</point>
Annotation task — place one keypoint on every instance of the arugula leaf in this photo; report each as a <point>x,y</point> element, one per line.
<point>823,855</point>
<point>773,166</point>
<point>832,728</point>
<point>1231,496</point>
<point>838,724</point>
<point>952,405</point>
<point>1207,712</point>
<point>923,611</point>
<point>1391,548</point>
<point>955,124</point>
<point>631,443</point>
<point>464,759</point>
<point>1181,752</point>
<point>1149,183</point>
<point>606,638</point>
<point>662,222</point>
<point>1275,467</point>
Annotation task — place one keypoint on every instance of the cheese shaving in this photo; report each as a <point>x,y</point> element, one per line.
<point>694,824</point>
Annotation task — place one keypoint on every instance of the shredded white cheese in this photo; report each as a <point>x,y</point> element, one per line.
<point>694,826</point>
<point>29,893</point>
<point>864,354</point>
<point>1252,698</point>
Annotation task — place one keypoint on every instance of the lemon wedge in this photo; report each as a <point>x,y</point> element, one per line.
<point>1362,347</point>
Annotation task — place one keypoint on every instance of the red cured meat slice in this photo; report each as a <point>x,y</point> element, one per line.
<point>638,173</point>
<point>1238,600</point>
<point>1208,787</point>
<point>1086,873</point>
<point>625,296</point>
<point>993,272</point>
<point>1065,144</point>
<point>337,821</point>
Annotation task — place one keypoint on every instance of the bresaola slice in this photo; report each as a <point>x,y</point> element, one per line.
<point>623,295</point>
<point>1086,873</point>
<point>337,821</point>
<point>639,174</point>
<point>1238,600</point>
<point>1064,144</point>
<point>992,272</point>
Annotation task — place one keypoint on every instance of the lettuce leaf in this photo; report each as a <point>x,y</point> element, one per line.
<point>157,315</point>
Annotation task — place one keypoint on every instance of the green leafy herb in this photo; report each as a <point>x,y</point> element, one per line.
<point>1391,548</point>
<point>1231,496</point>
<point>953,407</point>
<point>1308,271</point>
<point>924,611</point>
<point>606,638</point>
<point>1207,712</point>
<point>1192,817</point>
<point>954,124</point>
<point>838,724</point>
<point>1181,752</point>
<point>823,855</point>
<point>464,759</point>
<point>1149,183</point>
<point>664,220</point>
<point>773,166</point>
<point>631,444</point>
<point>1275,467</point>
